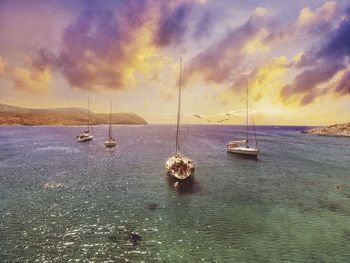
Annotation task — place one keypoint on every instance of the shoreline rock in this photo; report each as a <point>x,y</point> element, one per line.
<point>335,130</point>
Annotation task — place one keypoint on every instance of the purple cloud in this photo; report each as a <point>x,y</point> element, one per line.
<point>172,25</point>
<point>321,65</point>
<point>101,47</point>
<point>218,62</point>
<point>203,26</point>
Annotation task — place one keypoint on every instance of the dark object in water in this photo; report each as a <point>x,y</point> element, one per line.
<point>331,206</point>
<point>125,235</point>
<point>340,186</point>
<point>152,206</point>
<point>134,238</point>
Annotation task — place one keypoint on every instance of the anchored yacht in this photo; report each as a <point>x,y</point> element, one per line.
<point>86,136</point>
<point>179,166</point>
<point>242,146</point>
<point>110,142</point>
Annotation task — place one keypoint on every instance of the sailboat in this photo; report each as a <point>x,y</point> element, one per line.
<point>178,166</point>
<point>85,136</point>
<point>110,142</point>
<point>242,146</point>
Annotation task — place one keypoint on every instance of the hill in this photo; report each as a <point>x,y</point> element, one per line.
<point>12,115</point>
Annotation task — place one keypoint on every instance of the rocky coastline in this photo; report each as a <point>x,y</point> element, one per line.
<point>335,130</point>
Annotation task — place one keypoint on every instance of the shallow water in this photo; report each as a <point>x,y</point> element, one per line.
<point>62,201</point>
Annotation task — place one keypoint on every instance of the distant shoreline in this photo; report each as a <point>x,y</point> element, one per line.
<point>169,124</point>
<point>12,115</point>
<point>68,125</point>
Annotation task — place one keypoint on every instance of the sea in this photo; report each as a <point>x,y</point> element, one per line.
<point>64,201</point>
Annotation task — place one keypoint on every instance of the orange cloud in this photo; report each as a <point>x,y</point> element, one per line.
<point>32,81</point>
<point>267,79</point>
<point>114,47</point>
<point>314,19</point>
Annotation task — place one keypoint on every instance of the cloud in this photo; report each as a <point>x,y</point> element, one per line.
<point>225,61</point>
<point>315,23</point>
<point>99,50</point>
<point>32,81</point>
<point>319,20</point>
<point>217,63</point>
<point>343,86</point>
<point>203,26</point>
<point>172,24</point>
<point>309,79</point>
<point>112,45</point>
<point>265,79</point>
<point>321,65</point>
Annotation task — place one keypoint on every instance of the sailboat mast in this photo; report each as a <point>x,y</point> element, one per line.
<point>177,146</point>
<point>256,141</point>
<point>247,112</point>
<point>110,122</point>
<point>88,113</point>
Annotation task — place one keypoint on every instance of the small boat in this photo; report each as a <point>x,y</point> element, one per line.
<point>110,142</point>
<point>86,136</point>
<point>179,166</point>
<point>242,146</point>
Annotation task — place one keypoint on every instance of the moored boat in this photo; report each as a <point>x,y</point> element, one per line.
<point>110,142</point>
<point>179,166</point>
<point>242,146</point>
<point>86,136</point>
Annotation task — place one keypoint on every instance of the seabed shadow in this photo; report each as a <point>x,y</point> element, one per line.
<point>187,186</point>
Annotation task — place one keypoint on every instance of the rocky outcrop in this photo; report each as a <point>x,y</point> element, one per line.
<point>340,130</point>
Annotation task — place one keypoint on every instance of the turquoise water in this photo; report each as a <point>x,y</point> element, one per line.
<point>62,201</point>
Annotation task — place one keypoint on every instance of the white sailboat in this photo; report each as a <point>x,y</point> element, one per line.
<point>242,146</point>
<point>179,166</point>
<point>110,142</point>
<point>86,136</point>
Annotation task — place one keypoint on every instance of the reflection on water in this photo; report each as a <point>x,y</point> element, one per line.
<point>188,186</point>
<point>62,201</point>
<point>244,157</point>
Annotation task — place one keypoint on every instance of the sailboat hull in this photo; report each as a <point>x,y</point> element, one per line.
<point>110,143</point>
<point>85,138</point>
<point>244,151</point>
<point>179,167</point>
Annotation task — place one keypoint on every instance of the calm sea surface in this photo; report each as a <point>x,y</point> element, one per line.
<point>63,201</point>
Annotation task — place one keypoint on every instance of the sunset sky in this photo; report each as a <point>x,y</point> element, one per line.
<point>293,56</point>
